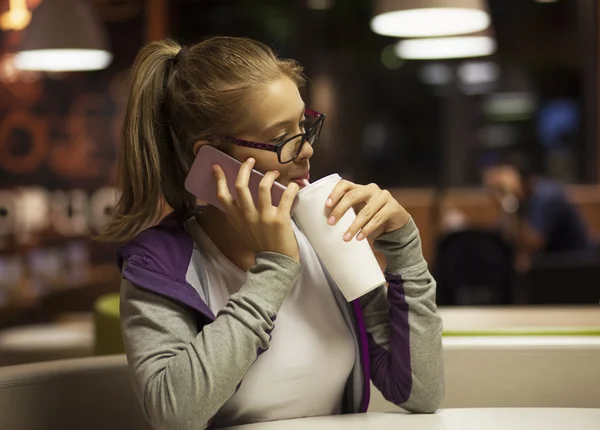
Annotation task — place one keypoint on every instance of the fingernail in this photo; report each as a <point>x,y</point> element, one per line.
<point>347,237</point>
<point>329,202</point>
<point>360,236</point>
<point>251,160</point>
<point>331,220</point>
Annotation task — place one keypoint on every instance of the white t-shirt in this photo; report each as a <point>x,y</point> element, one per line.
<point>311,354</point>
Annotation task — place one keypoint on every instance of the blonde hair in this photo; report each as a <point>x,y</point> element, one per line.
<point>174,102</point>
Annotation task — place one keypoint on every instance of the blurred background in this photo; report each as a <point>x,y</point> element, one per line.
<point>423,105</point>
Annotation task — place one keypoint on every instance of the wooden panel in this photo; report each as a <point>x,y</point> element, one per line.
<point>478,208</point>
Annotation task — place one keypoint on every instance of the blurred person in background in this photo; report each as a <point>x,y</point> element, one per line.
<point>229,318</point>
<point>536,213</point>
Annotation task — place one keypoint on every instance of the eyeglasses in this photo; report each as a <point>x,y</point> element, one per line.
<point>288,150</point>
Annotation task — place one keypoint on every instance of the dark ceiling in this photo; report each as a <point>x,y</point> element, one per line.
<point>534,36</point>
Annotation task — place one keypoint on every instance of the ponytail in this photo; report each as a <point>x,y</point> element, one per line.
<point>141,162</point>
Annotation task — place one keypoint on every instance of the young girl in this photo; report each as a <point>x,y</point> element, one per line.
<point>229,318</point>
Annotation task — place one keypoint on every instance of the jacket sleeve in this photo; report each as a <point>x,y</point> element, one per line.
<point>183,376</point>
<point>403,329</point>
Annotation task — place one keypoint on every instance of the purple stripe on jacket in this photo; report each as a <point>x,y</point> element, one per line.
<point>364,352</point>
<point>157,260</point>
<point>391,370</point>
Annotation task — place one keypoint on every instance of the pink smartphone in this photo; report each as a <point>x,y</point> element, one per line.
<point>201,181</point>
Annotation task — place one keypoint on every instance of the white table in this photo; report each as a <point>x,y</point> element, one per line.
<point>448,419</point>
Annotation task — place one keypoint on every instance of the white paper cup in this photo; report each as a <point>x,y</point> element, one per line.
<point>352,265</point>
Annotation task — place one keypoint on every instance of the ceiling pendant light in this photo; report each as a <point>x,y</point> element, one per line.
<point>479,44</point>
<point>17,17</point>
<point>426,18</point>
<point>63,36</point>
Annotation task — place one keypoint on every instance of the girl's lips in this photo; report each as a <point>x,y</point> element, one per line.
<point>301,181</point>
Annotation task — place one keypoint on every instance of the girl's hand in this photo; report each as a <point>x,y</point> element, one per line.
<point>262,228</point>
<point>377,211</point>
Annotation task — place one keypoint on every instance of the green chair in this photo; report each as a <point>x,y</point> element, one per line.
<point>107,326</point>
